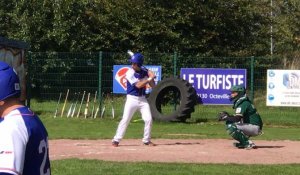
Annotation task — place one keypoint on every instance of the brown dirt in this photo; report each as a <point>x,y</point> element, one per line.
<point>178,150</point>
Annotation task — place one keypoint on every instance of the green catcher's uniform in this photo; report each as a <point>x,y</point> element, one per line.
<point>244,108</point>
<point>250,124</point>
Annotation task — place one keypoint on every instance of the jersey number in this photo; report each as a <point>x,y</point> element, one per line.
<point>43,149</point>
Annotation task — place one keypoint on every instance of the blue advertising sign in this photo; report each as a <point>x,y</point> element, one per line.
<point>212,85</point>
<point>120,82</point>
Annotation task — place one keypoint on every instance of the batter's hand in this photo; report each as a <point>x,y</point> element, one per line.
<point>151,74</point>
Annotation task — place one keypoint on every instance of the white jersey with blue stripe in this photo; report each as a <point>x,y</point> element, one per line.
<point>132,78</point>
<point>23,144</point>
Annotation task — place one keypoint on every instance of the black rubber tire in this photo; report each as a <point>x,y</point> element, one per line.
<point>187,99</point>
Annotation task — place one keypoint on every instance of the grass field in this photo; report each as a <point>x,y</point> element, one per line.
<point>93,167</point>
<point>280,124</point>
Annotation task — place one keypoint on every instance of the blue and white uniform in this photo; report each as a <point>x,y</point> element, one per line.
<point>132,78</point>
<point>23,144</point>
<point>135,100</point>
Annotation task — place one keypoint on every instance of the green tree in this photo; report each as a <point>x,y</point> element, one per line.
<point>206,27</point>
<point>286,22</point>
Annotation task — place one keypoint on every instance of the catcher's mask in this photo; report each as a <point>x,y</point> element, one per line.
<point>9,82</point>
<point>137,58</point>
<point>241,91</point>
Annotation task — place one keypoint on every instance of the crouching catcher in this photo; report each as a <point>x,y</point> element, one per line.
<point>245,122</point>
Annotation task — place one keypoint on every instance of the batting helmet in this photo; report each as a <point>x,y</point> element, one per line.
<point>240,89</point>
<point>137,58</point>
<point>9,82</point>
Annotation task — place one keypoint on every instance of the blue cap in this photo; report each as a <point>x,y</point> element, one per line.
<point>9,82</point>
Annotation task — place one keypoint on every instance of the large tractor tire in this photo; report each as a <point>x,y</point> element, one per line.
<point>176,93</point>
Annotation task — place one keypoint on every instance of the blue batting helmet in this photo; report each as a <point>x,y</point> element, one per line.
<point>9,82</point>
<point>137,58</point>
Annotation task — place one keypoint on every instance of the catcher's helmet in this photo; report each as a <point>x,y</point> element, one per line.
<point>137,58</point>
<point>240,89</point>
<point>9,82</point>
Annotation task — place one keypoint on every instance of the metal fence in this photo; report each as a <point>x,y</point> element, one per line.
<point>50,74</point>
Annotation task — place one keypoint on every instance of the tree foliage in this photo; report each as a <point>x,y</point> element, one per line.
<point>205,27</point>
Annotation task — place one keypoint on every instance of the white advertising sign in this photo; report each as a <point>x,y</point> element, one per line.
<point>283,87</point>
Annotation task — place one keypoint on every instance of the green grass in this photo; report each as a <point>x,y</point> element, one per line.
<point>280,124</point>
<point>78,128</point>
<point>95,167</point>
<point>279,116</point>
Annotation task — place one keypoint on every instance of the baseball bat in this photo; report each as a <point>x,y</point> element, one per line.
<point>93,108</point>
<point>102,112</point>
<point>130,53</point>
<point>63,109</point>
<point>80,106</point>
<point>97,110</point>
<point>56,110</point>
<point>112,106</point>
<point>74,108</point>
<point>103,109</point>
<point>98,106</point>
<point>87,105</point>
<point>71,107</point>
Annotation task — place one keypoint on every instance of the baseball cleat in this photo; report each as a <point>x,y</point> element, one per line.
<point>251,145</point>
<point>238,145</point>
<point>115,144</point>
<point>149,144</point>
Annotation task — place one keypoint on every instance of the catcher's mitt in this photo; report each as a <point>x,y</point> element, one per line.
<point>222,116</point>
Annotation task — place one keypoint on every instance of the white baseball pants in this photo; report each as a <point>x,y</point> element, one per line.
<point>132,104</point>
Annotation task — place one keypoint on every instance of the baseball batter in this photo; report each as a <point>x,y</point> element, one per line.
<point>246,122</point>
<point>23,137</point>
<point>137,79</point>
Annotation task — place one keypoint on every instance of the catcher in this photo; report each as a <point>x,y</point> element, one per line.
<point>246,122</point>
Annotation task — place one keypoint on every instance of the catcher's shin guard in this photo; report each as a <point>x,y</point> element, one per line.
<point>237,134</point>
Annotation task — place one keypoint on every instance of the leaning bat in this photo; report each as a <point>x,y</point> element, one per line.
<point>71,107</point>
<point>63,109</point>
<point>56,110</point>
<point>103,109</point>
<point>81,104</point>
<point>112,106</point>
<point>87,105</point>
<point>102,112</point>
<point>93,108</point>
<point>74,108</point>
<point>97,110</point>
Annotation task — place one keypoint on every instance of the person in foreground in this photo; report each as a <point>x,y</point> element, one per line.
<point>23,137</point>
<point>137,78</point>
<point>245,122</point>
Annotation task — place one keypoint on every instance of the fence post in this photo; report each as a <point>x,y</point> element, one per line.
<point>175,64</point>
<point>28,82</point>
<point>252,79</point>
<point>100,76</point>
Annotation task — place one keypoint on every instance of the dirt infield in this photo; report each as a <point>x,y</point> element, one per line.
<point>178,150</point>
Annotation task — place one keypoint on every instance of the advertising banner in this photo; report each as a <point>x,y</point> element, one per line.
<point>212,85</point>
<point>283,88</point>
<point>120,82</point>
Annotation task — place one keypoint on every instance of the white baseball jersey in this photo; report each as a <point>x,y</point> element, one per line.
<point>132,78</point>
<point>23,144</point>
